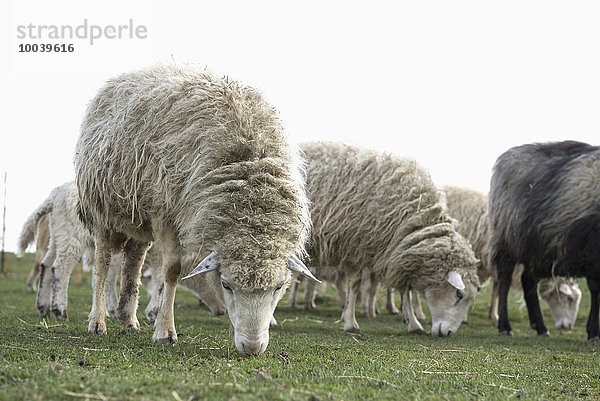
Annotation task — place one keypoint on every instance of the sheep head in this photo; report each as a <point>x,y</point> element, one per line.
<point>449,304</point>
<point>250,309</point>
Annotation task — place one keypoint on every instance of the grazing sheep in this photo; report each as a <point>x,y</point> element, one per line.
<point>42,240</point>
<point>380,212</point>
<point>470,208</point>
<point>544,213</point>
<point>198,164</point>
<point>67,242</point>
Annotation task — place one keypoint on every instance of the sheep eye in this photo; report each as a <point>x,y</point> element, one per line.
<point>459,295</point>
<point>225,285</point>
<point>279,287</point>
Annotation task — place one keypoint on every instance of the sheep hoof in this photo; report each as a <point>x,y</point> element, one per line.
<point>544,334</point>
<point>170,337</point>
<point>44,310</point>
<point>133,327</point>
<point>594,339</point>
<point>419,332</point>
<point>97,328</point>
<point>508,333</point>
<point>354,330</point>
<point>60,315</point>
<point>393,311</point>
<point>219,312</point>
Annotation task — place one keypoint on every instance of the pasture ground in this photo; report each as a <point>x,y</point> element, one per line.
<point>309,356</point>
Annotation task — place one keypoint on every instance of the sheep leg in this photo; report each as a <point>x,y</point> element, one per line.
<point>505,269</point>
<point>391,303</point>
<point>340,285</point>
<point>110,289</point>
<point>164,327</point>
<point>155,288</point>
<point>309,295</point>
<point>33,275</point>
<point>593,327</point>
<point>293,290</point>
<point>536,320</point>
<point>43,299</point>
<point>365,286</point>
<point>493,314</point>
<point>416,305</point>
<point>62,267</point>
<point>87,258</point>
<point>414,326</point>
<point>349,316</point>
<point>133,258</point>
<point>97,316</point>
<point>372,298</point>
<point>322,288</point>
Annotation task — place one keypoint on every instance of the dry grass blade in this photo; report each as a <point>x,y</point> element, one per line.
<point>447,373</point>
<point>87,396</point>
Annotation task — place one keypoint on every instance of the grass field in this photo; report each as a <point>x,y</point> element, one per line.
<point>309,356</point>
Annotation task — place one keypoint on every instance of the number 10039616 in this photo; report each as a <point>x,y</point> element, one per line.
<point>46,48</point>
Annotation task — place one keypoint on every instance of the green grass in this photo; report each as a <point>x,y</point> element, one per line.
<point>309,357</point>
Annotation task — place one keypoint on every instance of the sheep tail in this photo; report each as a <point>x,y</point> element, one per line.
<point>29,230</point>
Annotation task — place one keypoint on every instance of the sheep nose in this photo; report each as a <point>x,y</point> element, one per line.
<point>254,348</point>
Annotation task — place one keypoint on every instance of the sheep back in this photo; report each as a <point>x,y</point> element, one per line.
<point>470,209</point>
<point>543,196</point>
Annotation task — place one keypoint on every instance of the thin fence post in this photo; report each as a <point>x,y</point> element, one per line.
<point>2,256</point>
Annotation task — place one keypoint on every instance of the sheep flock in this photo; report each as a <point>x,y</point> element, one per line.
<point>186,179</point>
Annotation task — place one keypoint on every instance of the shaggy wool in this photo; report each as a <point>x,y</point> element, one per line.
<point>178,147</point>
<point>381,211</point>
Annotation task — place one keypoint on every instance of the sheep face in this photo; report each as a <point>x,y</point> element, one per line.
<point>449,304</point>
<point>564,304</point>
<point>250,311</point>
<point>250,306</point>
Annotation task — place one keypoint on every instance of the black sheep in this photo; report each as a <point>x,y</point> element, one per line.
<point>544,207</point>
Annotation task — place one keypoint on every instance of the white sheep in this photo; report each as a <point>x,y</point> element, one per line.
<point>67,242</point>
<point>199,164</point>
<point>470,208</point>
<point>383,213</point>
<point>67,233</point>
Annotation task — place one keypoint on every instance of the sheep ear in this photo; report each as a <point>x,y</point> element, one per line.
<point>296,265</point>
<point>564,288</point>
<point>211,262</point>
<point>455,280</point>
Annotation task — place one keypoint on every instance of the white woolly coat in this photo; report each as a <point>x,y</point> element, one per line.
<point>204,156</point>
<point>379,211</point>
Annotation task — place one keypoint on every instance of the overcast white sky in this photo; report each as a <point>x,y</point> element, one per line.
<point>451,83</point>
